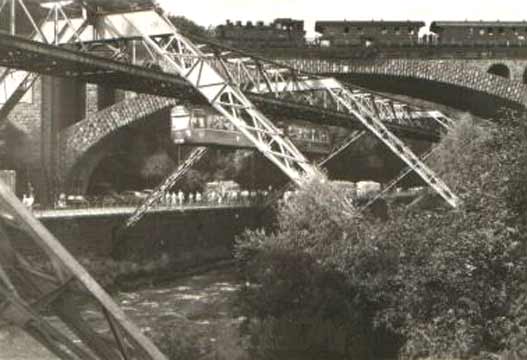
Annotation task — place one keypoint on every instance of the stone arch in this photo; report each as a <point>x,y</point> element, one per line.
<point>84,144</point>
<point>500,70</point>
<point>459,85</point>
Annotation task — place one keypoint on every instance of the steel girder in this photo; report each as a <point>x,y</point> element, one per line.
<point>28,289</point>
<point>194,157</point>
<point>338,148</point>
<point>258,75</point>
<point>404,172</point>
<point>176,54</point>
<point>84,66</point>
<point>14,84</point>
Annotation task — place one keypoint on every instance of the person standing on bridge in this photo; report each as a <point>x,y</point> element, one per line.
<point>61,202</point>
<point>181,197</point>
<point>173,199</point>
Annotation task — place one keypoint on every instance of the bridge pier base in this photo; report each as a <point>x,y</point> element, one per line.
<point>107,96</point>
<point>63,104</point>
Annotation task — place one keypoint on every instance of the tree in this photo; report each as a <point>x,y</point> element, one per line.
<point>425,283</point>
<point>188,27</point>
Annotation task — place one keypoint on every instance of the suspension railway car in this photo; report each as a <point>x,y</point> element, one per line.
<point>200,127</point>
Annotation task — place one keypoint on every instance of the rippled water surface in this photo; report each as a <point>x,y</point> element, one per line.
<point>197,309</point>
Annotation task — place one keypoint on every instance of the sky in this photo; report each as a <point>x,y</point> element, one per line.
<point>215,12</point>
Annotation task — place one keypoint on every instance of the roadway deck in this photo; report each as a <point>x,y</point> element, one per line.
<point>55,214</point>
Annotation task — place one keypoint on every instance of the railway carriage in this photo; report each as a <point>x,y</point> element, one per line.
<point>368,33</point>
<point>480,33</point>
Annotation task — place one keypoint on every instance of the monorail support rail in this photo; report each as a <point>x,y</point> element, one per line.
<point>258,75</point>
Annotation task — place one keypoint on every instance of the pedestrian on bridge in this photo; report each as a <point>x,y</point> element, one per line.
<point>245,196</point>
<point>173,199</point>
<point>181,197</point>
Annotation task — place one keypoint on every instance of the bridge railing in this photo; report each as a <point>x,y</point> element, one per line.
<point>238,198</point>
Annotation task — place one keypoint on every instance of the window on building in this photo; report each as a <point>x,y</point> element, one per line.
<point>490,31</point>
<point>501,31</point>
<point>346,30</point>
<point>397,31</point>
<point>384,31</point>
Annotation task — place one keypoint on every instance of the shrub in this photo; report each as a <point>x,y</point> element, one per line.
<point>442,283</point>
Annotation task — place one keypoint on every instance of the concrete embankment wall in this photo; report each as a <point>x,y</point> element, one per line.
<point>178,239</point>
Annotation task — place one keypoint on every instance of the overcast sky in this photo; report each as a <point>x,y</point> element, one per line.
<point>215,12</point>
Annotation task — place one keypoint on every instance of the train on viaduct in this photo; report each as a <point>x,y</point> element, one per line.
<point>286,32</point>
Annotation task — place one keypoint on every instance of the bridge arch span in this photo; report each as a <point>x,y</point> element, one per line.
<point>83,145</point>
<point>500,69</point>
<point>454,84</point>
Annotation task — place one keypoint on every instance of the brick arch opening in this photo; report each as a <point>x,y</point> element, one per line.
<point>84,144</point>
<point>500,70</point>
<point>114,164</point>
<point>448,94</point>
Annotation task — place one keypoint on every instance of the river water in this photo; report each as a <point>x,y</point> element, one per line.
<point>191,317</point>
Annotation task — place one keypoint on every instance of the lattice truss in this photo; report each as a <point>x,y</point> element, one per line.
<point>223,74</point>
<point>41,282</point>
<point>175,53</point>
<point>195,155</point>
<point>54,28</point>
<point>40,287</point>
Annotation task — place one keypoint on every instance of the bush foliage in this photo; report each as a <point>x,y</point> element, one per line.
<point>437,283</point>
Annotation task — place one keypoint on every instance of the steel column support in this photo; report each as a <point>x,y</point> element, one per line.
<point>12,9</point>
<point>65,269</point>
<point>194,157</point>
<point>179,55</point>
